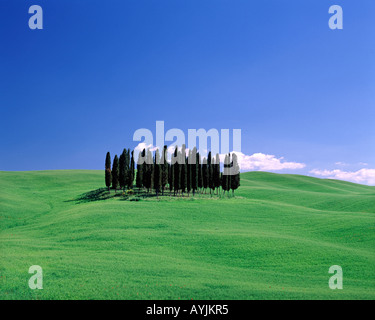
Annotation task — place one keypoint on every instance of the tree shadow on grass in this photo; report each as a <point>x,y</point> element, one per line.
<point>103,194</point>
<point>95,195</point>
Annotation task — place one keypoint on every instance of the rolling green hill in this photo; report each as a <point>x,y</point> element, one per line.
<point>275,240</point>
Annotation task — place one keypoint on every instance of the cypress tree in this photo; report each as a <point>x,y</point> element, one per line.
<point>177,171</point>
<point>152,172</point>
<point>188,173</point>
<point>179,166</point>
<point>164,169</point>
<point>170,177</point>
<point>123,174</point>
<point>127,167</point>
<point>108,174</point>
<point>200,176</point>
<point>115,172</point>
<point>194,172</point>
<point>229,176</point>
<point>235,178</point>
<point>120,174</point>
<point>144,168</point>
<point>139,177</point>
<point>130,180</point>
<point>217,173</point>
<point>221,181</point>
<point>122,180</point>
<point>183,169</point>
<point>205,174</point>
<point>225,175</point>
<point>157,173</point>
<point>210,172</point>
<point>148,174</point>
<point>213,175</point>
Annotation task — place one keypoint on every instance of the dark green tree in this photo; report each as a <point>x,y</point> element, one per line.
<point>152,172</point>
<point>170,177</point>
<point>127,167</point>
<point>188,173</point>
<point>200,175</point>
<point>211,184</point>
<point>144,168</point>
<point>227,173</point>
<point>115,173</point>
<point>183,169</point>
<point>121,175</point>
<point>224,179</point>
<point>164,169</point>
<point>235,177</point>
<point>157,173</point>
<point>177,171</point>
<point>205,174</point>
<point>131,170</point>
<point>148,174</point>
<point>139,178</point>
<point>194,171</point>
<point>217,180</point>
<point>108,174</point>
<point>229,176</point>
<point>221,181</point>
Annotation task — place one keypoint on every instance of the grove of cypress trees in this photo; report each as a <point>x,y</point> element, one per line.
<point>115,173</point>
<point>183,174</point>
<point>108,174</point>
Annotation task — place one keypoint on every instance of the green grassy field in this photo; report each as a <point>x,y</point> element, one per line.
<point>275,240</point>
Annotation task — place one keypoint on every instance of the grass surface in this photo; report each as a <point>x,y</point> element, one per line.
<point>275,240</point>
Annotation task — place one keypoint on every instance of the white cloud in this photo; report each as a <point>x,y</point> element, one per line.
<point>256,161</point>
<point>264,162</point>
<point>364,176</point>
<point>341,163</point>
<point>142,146</point>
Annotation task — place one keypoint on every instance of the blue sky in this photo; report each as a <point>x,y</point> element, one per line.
<point>100,70</point>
